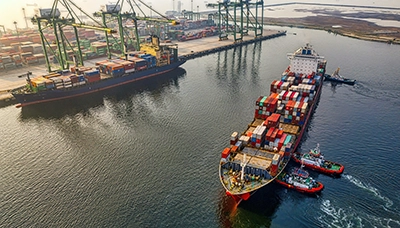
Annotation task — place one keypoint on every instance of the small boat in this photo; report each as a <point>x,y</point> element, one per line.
<point>299,180</point>
<point>315,160</point>
<point>336,77</point>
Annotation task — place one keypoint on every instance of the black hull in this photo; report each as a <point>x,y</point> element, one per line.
<point>60,94</point>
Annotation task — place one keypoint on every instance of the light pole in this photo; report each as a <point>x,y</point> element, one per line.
<point>26,20</point>
<point>16,28</point>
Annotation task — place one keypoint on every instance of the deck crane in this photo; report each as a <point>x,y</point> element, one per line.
<point>224,15</point>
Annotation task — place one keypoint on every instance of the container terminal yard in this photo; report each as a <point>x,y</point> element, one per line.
<point>188,49</point>
<point>22,51</point>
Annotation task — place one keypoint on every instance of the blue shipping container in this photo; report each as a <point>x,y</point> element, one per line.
<point>118,72</point>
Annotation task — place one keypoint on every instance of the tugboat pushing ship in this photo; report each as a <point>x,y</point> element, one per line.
<point>259,154</point>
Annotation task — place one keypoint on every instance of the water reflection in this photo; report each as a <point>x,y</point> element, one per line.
<point>233,64</point>
<point>83,105</point>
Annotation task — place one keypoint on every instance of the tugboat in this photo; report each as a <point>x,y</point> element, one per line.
<point>315,160</point>
<point>336,77</point>
<point>300,180</point>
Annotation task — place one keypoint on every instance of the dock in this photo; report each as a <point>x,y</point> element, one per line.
<point>208,45</point>
<point>187,49</point>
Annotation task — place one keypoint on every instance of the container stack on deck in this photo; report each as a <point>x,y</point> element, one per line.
<point>278,119</point>
<point>81,75</point>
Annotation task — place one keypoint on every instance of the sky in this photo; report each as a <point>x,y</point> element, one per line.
<point>11,10</point>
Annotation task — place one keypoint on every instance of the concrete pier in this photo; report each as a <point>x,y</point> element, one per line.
<point>207,45</point>
<point>188,49</point>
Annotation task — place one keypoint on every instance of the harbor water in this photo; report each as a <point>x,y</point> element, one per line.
<point>146,155</point>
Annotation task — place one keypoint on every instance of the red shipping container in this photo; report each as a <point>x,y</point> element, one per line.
<point>291,96</point>
<point>258,100</point>
<point>234,148</point>
<point>279,134</point>
<point>274,133</point>
<point>74,78</point>
<point>280,84</point>
<point>290,105</point>
<point>282,140</point>
<point>93,78</point>
<point>225,152</point>
<point>274,117</point>
<point>273,84</point>
<point>285,95</point>
<point>256,114</point>
<point>269,134</point>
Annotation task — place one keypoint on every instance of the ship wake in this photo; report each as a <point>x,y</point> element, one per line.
<point>335,216</point>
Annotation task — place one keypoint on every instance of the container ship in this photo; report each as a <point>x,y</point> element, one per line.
<point>154,59</point>
<point>259,154</point>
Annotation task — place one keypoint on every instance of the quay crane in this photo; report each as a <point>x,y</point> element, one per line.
<point>51,19</point>
<point>239,30</point>
<point>115,11</point>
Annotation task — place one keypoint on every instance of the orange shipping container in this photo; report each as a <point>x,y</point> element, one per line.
<point>225,152</point>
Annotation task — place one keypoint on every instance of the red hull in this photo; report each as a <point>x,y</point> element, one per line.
<point>302,190</point>
<point>321,169</point>
<point>239,198</point>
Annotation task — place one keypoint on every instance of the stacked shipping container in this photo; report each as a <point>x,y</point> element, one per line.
<point>282,113</point>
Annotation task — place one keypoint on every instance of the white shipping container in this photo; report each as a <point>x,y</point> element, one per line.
<point>130,70</point>
<point>234,135</point>
<point>304,108</point>
<point>296,106</point>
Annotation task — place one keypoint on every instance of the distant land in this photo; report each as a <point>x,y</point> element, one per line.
<point>346,24</point>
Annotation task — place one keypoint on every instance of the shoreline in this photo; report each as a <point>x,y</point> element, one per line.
<point>353,28</point>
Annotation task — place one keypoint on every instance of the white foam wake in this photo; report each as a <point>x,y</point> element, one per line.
<point>339,217</point>
<point>368,187</point>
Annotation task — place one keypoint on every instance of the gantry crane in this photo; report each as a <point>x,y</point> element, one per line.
<point>52,19</point>
<point>238,30</point>
<point>115,11</point>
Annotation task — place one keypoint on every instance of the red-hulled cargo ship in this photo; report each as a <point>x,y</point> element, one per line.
<point>259,154</point>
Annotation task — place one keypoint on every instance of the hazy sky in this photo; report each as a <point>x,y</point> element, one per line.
<point>11,10</point>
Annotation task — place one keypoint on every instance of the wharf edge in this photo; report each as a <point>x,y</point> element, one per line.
<point>6,98</point>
